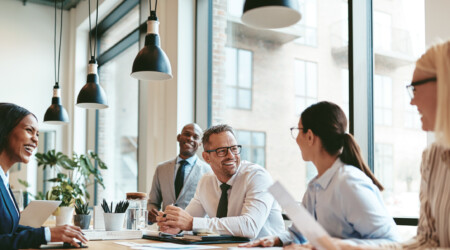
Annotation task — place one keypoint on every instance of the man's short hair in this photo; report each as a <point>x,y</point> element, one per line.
<point>217,129</point>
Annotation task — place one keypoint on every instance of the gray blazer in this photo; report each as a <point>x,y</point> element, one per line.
<point>163,186</point>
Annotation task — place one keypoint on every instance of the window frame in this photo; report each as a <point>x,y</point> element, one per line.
<point>127,41</point>
<point>360,64</point>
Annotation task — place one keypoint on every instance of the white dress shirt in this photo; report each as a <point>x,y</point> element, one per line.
<point>5,178</point>
<point>252,211</point>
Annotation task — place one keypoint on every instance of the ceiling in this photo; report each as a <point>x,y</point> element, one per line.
<point>67,4</point>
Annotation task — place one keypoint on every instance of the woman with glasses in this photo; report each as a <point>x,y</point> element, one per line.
<point>345,195</point>
<point>430,92</point>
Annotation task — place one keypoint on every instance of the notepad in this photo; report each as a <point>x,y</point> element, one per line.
<point>37,212</point>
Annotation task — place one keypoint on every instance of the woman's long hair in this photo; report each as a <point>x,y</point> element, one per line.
<point>10,116</point>
<point>328,122</point>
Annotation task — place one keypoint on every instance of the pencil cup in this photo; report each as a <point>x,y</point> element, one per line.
<point>113,221</point>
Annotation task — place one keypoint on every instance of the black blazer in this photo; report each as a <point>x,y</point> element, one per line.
<point>13,235</point>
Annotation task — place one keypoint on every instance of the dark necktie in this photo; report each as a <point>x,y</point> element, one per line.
<point>222,209</point>
<point>179,180</point>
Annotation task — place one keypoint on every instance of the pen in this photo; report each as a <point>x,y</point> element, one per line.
<point>176,205</point>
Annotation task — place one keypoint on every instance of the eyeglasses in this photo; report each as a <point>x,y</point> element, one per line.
<point>410,88</point>
<point>223,151</point>
<point>295,131</point>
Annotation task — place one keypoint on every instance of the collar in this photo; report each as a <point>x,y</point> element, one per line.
<point>4,176</point>
<point>326,177</point>
<point>191,160</point>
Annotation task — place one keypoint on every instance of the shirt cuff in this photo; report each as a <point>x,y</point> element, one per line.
<point>285,238</point>
<point>48,234</point>
<point>200,224</point>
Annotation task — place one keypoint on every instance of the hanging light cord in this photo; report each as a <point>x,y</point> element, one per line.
<point>59,53</point>
<point>90,29</point>
<point>150,5</point>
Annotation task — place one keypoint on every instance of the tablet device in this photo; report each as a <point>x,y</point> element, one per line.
<point>37,212</point>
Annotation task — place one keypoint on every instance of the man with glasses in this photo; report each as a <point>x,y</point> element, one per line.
<point>175,180</point>
<point>235,197</point>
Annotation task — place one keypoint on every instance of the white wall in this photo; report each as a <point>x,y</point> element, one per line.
<point>26,58</point>
<point>437,20</point>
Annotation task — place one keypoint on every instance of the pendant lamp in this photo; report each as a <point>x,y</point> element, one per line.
<point>92,95</point>
<point>152,63</point>
<point>56,114</point>
<point>271,14</point>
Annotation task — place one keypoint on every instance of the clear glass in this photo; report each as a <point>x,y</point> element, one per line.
<point>137,214</point>
<point>118,126</point>
<point>263,80</point>
<point>399,38</point>
<point>119,30</point>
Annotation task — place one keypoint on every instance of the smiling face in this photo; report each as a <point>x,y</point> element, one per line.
<point>22,140</point>
<point>189,140</point>
<point>223,167</point>
<point>425,98</point>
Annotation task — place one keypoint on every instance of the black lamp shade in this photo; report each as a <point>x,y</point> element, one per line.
<point>151,63</point>
<point>56,114</point>
<point>271,14</point>
<point>92,95</point>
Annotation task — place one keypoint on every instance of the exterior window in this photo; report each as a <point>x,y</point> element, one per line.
<point>305,84</point>
<point>253,146</point>
<point>384,164</point>
<point>382,86</point>
<point>117,126</point>
<point>308,24</point>
<point>238,78</point>
<point>261,80</point>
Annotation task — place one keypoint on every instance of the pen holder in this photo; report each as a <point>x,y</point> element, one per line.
<point>113,221</point>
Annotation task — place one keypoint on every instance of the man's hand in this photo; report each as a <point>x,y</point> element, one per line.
<point>67,234</point>
<point>174,217</point>
<point>152,214</point>
<point>268,241</point>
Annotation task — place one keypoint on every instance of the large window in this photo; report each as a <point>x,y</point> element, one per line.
<point>253,146</point>
<point>117,126</point>
<point>308,24</point>
<point>238,66</point>
<point>382,94</point>
<point>279,77</point>
<point>305,82</point>
<point>399,39</point>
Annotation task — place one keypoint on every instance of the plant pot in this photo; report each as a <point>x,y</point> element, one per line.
<point>113,221</point>
<point>64,215</point>
<point>82,220</point>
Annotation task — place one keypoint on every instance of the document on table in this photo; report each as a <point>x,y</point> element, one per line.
<point>301,218</point>
<point>163,246</point>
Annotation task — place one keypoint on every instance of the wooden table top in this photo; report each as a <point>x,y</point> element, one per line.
<point>111,245</point>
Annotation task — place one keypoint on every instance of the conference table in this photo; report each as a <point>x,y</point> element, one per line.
<point>112,245</point>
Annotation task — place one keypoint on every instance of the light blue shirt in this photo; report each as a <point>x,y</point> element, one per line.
<point>5,178</point>
<point>349,206</point>
<point>187,169</point>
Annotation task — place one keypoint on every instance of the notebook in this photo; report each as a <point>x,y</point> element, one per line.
<point>37,212</point>
<point>194,239</point>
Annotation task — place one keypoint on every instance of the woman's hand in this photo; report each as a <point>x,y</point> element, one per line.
<point>67,234</point>
<point>268,241</point>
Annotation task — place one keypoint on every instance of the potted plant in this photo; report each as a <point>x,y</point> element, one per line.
<point>82,218</point>
<point>72,179</point>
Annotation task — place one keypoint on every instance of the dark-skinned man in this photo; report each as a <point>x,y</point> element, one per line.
<point>175,180</point>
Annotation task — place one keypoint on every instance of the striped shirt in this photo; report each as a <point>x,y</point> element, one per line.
<point>434,222</point>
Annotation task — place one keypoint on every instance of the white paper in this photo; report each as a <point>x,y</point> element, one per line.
<point>37,212</point>
<point>163,246</point>
<point>301,218</point>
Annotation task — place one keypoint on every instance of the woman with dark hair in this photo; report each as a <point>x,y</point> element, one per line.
<point>18,139</point>
<point>345,196</point>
